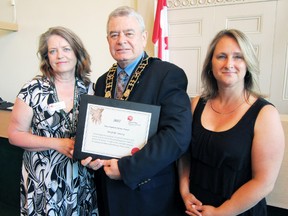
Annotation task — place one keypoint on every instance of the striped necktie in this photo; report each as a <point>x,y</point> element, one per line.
<point>121,83</point>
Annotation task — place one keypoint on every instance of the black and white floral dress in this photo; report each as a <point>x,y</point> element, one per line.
<point>51,183</point>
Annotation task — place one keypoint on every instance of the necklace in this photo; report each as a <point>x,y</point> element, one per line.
<point>131,83</point>
<point>227,113</point>
<point>70,123</point>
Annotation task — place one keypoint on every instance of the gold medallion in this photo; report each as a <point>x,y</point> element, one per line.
<point>110,76</point>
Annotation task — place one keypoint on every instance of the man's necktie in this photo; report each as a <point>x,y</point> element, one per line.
<point>121,83</point>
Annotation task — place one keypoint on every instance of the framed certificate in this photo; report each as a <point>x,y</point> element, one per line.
<point>109,128</point>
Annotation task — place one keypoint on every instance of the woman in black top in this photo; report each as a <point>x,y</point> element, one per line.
<point>237,140</point>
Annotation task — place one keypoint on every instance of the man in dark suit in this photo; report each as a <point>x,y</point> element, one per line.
<point>145,183</point>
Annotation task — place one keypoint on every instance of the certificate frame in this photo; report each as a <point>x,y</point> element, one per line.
<point>109,128</point>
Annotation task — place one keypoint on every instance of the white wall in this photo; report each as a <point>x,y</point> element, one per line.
<point>18,60</point>
<point>279,195</point>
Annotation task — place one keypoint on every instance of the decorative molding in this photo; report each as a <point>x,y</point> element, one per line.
<point>176,4</point>
<point>194,85</point>
<point>253,24</point>
<point>192,28</point>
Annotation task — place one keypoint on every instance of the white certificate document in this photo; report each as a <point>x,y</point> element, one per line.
<point>112,128</point>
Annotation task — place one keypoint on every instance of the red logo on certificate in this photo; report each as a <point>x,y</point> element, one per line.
<point>130,118</point>
<point>134,150</point>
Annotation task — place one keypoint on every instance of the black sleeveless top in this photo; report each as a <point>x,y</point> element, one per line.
<point>221,161</point>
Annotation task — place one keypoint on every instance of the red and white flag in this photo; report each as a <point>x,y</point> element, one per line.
<point>160,31</point>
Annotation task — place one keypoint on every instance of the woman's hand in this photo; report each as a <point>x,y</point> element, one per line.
<point>65,146</point>
<point>110,166</point>
<point>95,165</point>
<point>193,205</point>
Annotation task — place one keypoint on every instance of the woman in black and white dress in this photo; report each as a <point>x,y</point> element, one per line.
<point>43,123</point>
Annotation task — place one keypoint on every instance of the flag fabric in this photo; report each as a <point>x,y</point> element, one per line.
<point>160,30</point>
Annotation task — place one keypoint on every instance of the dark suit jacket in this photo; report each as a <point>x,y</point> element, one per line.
<point>149,184</point>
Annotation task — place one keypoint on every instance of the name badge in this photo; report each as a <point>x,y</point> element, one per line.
<point>57,106</point>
